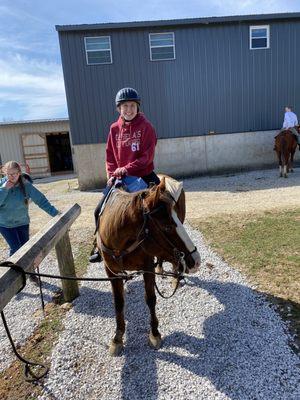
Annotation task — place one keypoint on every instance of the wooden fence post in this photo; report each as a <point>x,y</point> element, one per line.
<point>66,267</point>
<point>31,254</point>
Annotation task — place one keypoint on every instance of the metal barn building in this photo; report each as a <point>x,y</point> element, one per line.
<point>200,80</point>
<point>43,145</point>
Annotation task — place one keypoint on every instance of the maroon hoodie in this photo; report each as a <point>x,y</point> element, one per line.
<point>132,146</point>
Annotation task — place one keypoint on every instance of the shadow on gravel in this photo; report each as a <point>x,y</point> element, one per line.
<point>237,349</point>
<point>96,303</point>
<point>47,296</point>
<point>290,312</point>
<point>242,182</point>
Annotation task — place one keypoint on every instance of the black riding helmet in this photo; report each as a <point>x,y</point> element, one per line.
<point>127,94</point>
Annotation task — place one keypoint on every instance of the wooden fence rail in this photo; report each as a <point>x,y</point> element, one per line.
<point>54,234</point>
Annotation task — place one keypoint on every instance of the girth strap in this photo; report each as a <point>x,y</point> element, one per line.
<point>119,254</point>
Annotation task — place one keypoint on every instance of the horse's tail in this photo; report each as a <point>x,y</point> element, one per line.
<point>283,148</point>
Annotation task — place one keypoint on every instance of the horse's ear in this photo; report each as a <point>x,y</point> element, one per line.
<point>153,198</point>
<point>154,194</point>
<point>162,184</point>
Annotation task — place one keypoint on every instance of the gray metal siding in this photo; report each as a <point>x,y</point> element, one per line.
<point>216,83</point>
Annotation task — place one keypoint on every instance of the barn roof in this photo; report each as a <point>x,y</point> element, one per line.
<point>34,121</point>
<point>177,22</point>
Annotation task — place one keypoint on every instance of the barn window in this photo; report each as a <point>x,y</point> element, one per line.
<point>162,46</point>
<point>98,50</point>
<point>259,37</point>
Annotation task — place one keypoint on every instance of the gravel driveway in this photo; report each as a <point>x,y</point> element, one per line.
<point>254,191</point>
<point>220,341</point>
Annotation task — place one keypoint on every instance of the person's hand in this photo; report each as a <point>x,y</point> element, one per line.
<point>8,185</point>
<point>119,172</point>
<point>111,181</point>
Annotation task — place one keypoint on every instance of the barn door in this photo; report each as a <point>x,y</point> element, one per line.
<point>36,154</point>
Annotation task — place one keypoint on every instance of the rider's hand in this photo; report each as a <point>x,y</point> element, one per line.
<point>119,172</point>
<point>8,185</point>
<point>111,181</point>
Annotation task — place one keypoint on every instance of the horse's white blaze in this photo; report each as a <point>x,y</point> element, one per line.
<point>187,241</point>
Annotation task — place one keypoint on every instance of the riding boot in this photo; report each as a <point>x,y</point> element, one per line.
<point>95,255</point>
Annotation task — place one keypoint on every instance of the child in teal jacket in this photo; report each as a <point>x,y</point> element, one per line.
<point>15,192</point>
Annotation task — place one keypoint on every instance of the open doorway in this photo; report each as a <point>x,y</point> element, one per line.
<point>59,151</point>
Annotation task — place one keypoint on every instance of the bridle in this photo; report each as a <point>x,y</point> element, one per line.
<point>143,235</point>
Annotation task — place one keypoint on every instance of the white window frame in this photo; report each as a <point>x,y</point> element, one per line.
<point>251,28</point>
<point>90,51</point>
<point>153,47</point>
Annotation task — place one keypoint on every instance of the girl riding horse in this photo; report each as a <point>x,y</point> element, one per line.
<point>130,147</point>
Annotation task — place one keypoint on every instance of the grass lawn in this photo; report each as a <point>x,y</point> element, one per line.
<point>266,248</point>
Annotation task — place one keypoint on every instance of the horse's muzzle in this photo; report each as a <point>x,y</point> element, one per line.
<point>197,261</point>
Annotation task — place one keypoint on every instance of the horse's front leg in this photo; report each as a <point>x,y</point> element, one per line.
<point>154,336</point>
<point>116,345</point>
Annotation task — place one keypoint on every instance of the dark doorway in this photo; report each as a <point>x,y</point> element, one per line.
<point>60,154</point>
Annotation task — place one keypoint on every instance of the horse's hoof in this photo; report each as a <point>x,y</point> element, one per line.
<point>285,176</point>
<point>115,349</point>
<point>175,284</point>
<point>159,269</point>
<point>155,341</point>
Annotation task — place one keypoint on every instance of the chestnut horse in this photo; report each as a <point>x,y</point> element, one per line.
<point>135,228</point>
<point>285,147</point>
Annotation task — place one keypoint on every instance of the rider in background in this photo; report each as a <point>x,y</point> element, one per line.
<point>290,122</point>
<point>130,147</point>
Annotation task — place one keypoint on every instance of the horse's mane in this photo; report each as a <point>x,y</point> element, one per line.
<point>126,207</point>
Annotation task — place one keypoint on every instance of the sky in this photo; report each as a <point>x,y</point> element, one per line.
<point>31,78</point>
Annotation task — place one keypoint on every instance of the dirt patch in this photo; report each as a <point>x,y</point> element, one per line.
<point>37,349</point>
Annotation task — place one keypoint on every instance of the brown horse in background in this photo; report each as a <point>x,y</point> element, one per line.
<point>285,147</point>
<point>135,228</point>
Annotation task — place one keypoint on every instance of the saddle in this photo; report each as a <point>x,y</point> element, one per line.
<point>129,184</point>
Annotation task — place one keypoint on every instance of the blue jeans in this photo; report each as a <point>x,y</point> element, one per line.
<point>15,237</point>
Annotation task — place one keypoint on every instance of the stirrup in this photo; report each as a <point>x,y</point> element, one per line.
<point>96,257</point>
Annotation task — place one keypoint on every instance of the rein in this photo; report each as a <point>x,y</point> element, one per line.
<point>29,374</point>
